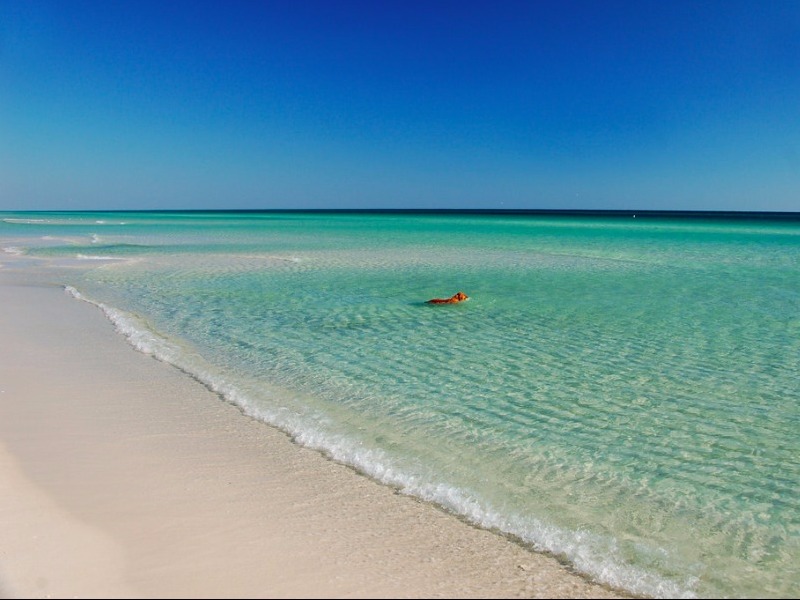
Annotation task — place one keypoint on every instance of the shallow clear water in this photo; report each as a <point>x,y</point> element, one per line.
<point>620,392</point>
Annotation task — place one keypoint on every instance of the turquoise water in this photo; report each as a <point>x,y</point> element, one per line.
<point>620,392</point>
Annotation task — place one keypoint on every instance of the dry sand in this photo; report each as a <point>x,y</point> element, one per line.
<point>123,477</point>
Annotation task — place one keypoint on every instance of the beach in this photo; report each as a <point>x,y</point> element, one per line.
<point>124,476</point>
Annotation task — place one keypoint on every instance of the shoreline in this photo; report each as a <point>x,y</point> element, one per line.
<point>129,478</point>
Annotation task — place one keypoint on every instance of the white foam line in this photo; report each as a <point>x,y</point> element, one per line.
<point>88,257</point>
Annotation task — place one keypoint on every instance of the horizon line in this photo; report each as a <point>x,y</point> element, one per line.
<point>464,211</point>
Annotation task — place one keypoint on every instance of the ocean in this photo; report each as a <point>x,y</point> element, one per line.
<point>621,391</point>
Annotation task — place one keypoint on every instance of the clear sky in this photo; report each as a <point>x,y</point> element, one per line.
<point>400,104</point>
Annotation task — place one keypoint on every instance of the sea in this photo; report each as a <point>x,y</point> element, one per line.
<point>621,390</point>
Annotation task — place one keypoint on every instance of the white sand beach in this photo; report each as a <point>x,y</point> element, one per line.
<point>123,477</point>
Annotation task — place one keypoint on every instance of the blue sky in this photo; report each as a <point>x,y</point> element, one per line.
<point>383,104</point>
